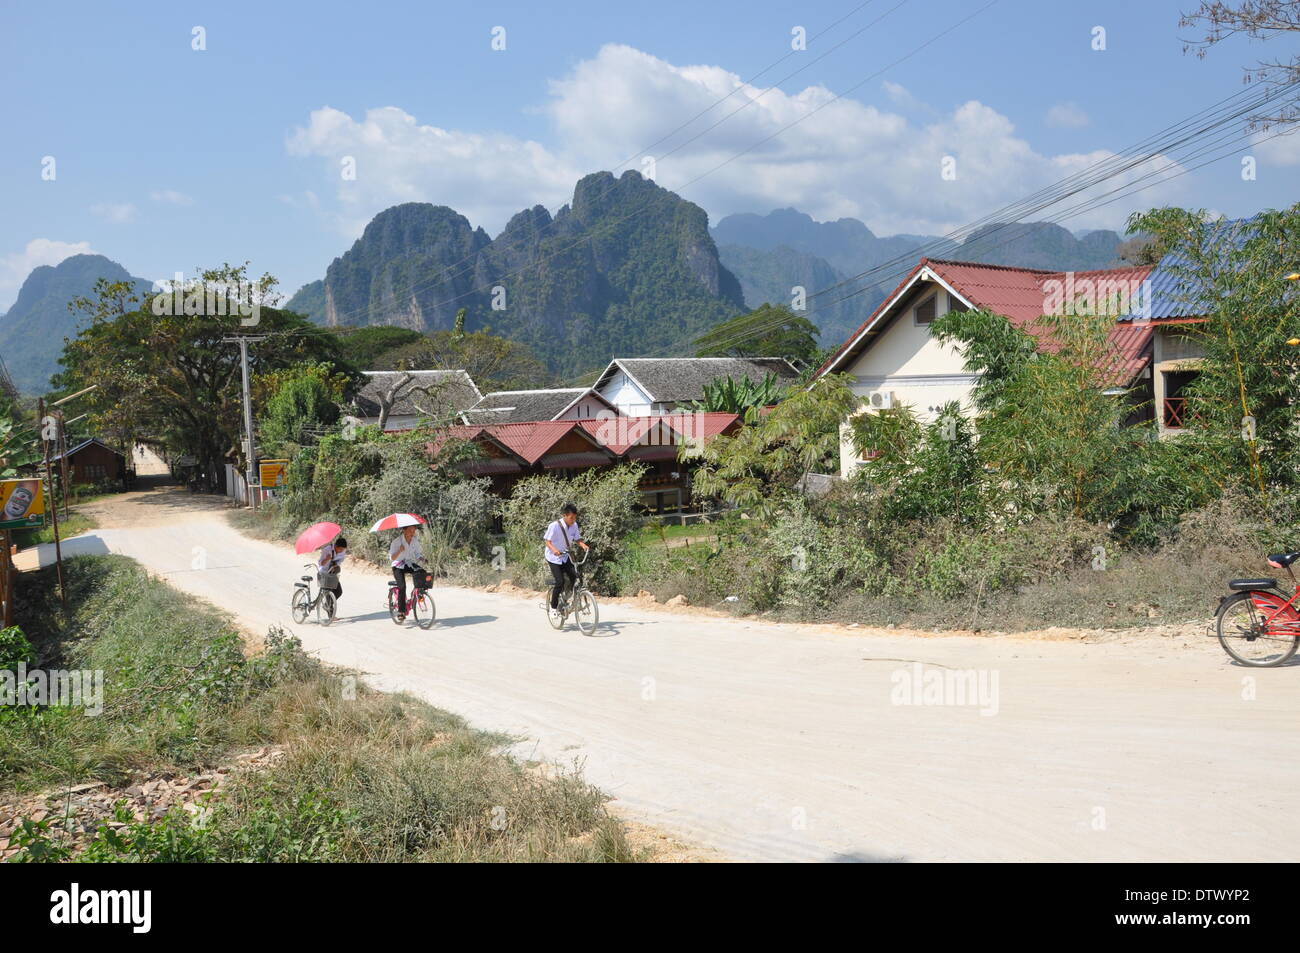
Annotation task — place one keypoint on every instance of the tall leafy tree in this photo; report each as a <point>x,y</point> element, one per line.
<point>761,465</point>
<point>492,362</point>
<point>1234,274</point>
<point>301,404</point>
<point>174,378</point>
<point>767,331</point>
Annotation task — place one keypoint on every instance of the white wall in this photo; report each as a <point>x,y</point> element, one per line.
<point>586,409</point>
<point>915,369</point>
<point>630,399</point>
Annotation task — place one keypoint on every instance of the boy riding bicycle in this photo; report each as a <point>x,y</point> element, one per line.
<point>559,539</point>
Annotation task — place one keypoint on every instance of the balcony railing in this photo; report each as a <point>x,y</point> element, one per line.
<point>1177,413</point>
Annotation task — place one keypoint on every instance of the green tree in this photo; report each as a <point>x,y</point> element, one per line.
<point>760,466</point>
<point>174,378</point>
<point>767,331</point>
<point>303,402</point>
<point>492,362</point>
<point>1234,274</point>
<point>1047,425</point>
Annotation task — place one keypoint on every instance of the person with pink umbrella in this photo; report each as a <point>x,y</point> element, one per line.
<point>330,564</point>
<point>327,537</point>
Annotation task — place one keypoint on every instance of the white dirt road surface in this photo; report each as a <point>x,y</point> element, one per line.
<point>785,742</point>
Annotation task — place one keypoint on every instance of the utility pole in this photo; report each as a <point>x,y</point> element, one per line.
<point>51,503</point>
<point>250,464</point>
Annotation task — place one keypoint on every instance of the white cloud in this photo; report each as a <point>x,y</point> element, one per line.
<point>486,177</point>
<point>15,268</point>
<point>1279,148</point>
<point>825,156</point>
<point>1067,116</point>
<point>171,197</point>
<point>119,213</point>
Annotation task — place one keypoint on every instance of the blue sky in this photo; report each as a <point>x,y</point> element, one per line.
<point>169,158</point>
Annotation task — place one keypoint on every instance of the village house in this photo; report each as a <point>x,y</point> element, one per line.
<point>645,386</point>
<point>93,462</point>
<point>894,361</point>
<point>510,452</point>
<point>516,406</point>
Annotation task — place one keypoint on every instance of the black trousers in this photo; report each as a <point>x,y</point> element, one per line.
<point>400,575</point>
<point>562,573</point>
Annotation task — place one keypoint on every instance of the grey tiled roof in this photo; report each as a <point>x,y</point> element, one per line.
<point>514,406</point>
<point>431,392</point>
<point>683,378</point>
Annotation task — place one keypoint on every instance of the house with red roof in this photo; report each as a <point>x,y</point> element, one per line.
<point>894,361</point>
<point>510,452</point>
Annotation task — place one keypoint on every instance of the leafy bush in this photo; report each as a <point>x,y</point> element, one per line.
<point>606,501</point>
<point>15,650</point>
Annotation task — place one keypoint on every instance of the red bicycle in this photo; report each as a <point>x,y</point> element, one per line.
<point>1258,625</point>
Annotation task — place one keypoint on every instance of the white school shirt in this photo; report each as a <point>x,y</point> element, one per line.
<point>401,551</point>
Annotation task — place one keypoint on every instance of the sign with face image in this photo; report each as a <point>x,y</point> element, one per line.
<point>22,504</point>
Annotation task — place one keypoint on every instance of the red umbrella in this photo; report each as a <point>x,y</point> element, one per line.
<point>314,537</point>
<point>396,521</point>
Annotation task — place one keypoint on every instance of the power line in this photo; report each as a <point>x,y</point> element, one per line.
<point>1047,199</point>
<point>607,227</point>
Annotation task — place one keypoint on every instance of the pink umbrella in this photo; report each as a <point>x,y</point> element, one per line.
<point>396,521</point>
<point>314,537</point>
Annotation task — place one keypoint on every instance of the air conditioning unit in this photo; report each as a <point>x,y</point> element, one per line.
<point>881,400</point>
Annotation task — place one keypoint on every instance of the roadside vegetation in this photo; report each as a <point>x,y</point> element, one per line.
<point>361,776</point>
<point>1053,504</point>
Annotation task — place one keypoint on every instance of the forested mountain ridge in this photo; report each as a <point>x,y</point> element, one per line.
<point>627,267</point>
<point>33,330</point>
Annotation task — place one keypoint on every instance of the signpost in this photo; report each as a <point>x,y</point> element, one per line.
<point>272,472</point>
<point>22,504</point>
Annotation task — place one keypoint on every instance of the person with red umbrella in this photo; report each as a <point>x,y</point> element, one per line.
<point>404,553</point>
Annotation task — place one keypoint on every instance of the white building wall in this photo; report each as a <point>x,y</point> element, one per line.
<point>624,394</point>
<point>907,367</point>
<point>586,409</point>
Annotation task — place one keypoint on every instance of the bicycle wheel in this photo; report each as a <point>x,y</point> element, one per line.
<point>426,613</point>
<point>393,612</point>
<point>556,617</point>
<point>586,613</point>
<point>1243,635</point>
<point>300,605</point>
<point>325,607</point>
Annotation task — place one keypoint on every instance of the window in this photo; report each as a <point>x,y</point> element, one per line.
<point>924,311</point>
<point>956,304</point>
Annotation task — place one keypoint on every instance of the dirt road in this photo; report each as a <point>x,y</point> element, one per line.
<point>782,742</point>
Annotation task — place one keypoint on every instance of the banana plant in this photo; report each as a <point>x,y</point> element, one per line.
<point>736,396</point>
<point>18,447</point>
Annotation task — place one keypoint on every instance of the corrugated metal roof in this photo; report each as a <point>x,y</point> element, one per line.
<point>532,439</point>
<point>1022,295</point>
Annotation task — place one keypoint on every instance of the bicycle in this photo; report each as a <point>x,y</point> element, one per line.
<point>1258,625</point>
<point>419,604</point>
<point>582,604</point>
<point>302,603</point>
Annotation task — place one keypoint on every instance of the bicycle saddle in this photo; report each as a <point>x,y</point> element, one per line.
<point>306,578</point>
<point>1282,560</point>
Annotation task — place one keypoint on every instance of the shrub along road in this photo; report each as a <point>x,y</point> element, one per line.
<point>786,742</point>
